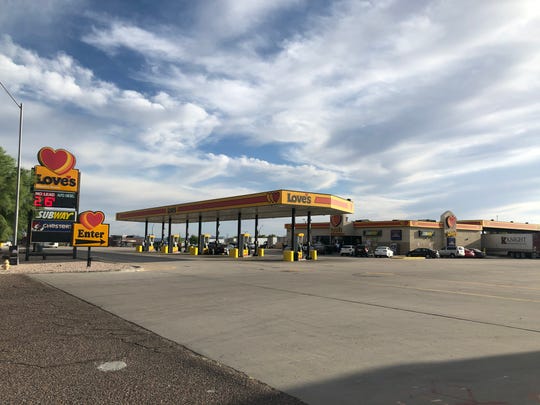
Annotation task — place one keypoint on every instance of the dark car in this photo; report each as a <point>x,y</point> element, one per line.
<point>423,252</point>
<point>361,251</point>
<point>323,249</point>
<point>217,249</point>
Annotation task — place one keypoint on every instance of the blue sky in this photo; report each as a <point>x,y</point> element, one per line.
<point>409,108</point>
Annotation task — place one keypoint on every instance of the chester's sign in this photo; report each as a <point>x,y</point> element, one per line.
<point>56,171</point>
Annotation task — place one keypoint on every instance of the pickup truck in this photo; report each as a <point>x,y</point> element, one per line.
<point>452,251</point>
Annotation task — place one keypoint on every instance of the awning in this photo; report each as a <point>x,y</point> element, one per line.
<point>270,204</point>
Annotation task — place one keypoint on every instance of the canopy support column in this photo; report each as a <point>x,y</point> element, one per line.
<point>308,236</point>
<point>240,239</point>
<point>293,234</point>
<point>256,250</point>
<point>200,241</point>
<point>146,241</point>
<point>162,231</point>
<point>186,241</point>
<point>169,240</point>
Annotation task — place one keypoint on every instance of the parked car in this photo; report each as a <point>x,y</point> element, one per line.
<point>361,250</point>
<point>346,250</point>
<point>424,252</point>
<point>322,249</point>
<point>452,251</point>
<point>383,251</point>
<point>478,253</point>
<point>217,249</point>
<point>50,245</point>
<point>469,252</point>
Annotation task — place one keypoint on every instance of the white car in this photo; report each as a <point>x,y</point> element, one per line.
<point>347,250</point>
<point>383,251</point>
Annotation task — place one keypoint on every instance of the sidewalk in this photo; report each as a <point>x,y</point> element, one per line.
<point>55,348</point>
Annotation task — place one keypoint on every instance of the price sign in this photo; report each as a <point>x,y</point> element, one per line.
<point>55,199</point>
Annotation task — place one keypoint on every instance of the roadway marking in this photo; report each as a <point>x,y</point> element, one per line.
<point>495,285</point>
<point>373,273</point>
<point>382,306</point>
<point>500,297</point>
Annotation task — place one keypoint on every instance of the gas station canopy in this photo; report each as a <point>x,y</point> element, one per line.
<point>270,204</point>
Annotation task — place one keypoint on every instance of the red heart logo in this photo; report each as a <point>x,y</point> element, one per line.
<point>273,198</point>
<point>335,220</point>
<point>91,219</point>
<point>59,161</point>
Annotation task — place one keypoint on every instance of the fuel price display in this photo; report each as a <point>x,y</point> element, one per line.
<point>55,199</point>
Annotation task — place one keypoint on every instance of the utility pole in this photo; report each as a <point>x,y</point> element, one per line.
<point>14,247</point>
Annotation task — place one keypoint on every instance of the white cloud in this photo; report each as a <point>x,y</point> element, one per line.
<point>385,99</point>
<point>119,35</point>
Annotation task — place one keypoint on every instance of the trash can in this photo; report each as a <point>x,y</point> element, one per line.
<point>288,255</point>
<point>260,252</point>
<point>14,260</point>
<point>13,256</point>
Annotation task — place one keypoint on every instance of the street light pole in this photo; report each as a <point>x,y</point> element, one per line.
<point>18,187</point>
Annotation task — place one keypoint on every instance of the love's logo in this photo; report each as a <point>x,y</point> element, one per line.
<point>335,220</point>
<point>59,161</point>
<point>91,219</point>
<point>274,197</point>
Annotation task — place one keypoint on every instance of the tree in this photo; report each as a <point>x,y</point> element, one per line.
<point>8,185</point>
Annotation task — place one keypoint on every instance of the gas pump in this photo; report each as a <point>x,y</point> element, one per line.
<point>151,239</point>
<point>206,239</point>
<point>174,242</point>
<point>299,244</point>
<point>241,244</point>
<point>246,244</point>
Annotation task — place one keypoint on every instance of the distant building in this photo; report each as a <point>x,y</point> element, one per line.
<point>405,235</point>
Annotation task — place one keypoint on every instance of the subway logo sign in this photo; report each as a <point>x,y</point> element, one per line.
<point>56,215</point>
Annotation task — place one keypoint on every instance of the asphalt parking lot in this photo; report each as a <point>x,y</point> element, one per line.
<point>344,330</point>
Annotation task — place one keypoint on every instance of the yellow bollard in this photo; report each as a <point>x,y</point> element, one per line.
<point>313,254</point>
<point>261,252</point>
<point>6,265</point>
<point>233,253</point>
<point>288,255</point>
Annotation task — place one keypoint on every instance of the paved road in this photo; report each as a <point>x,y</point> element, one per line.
<point>57,349</point>
<point>345,330</point>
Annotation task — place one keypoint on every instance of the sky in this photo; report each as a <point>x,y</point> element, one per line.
<point>409,108</point>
